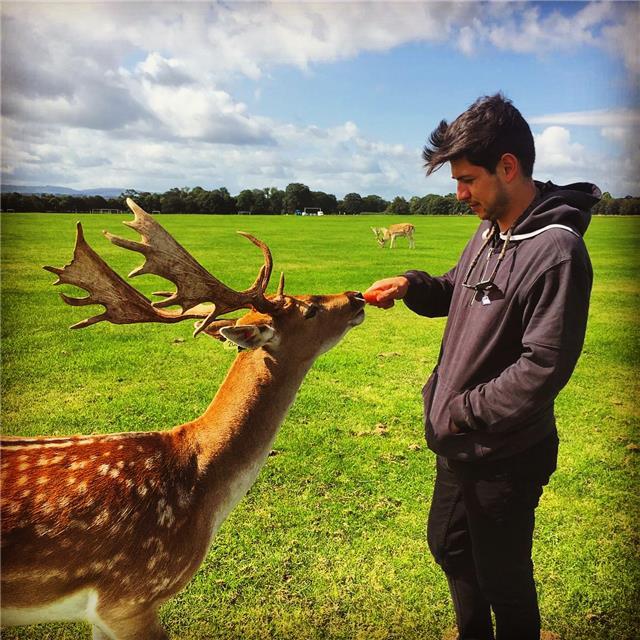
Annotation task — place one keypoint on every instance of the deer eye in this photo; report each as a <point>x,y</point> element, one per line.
<point>310,312</point>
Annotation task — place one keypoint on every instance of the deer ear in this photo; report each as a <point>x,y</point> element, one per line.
<point>213,329</point>
<point>250,336</point>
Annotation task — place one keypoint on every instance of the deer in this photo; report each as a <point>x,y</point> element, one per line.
<point>106,527</point>
<point>383,235</point>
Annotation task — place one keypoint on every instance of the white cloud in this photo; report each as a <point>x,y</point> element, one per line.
<point>563,161</point>
<point>617,134</point>
<point>138,94</point>
<point>554,150</point>
<point>594,118</point>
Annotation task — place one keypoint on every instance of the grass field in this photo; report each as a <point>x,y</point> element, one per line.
<point>330,541</point>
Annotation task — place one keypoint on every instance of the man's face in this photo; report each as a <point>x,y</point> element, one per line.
<point>484,192</point>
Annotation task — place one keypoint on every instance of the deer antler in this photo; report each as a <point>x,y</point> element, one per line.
<point>123,304</point>
<point>165,257</point>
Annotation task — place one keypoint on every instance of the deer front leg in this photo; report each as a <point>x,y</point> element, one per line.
<point>141,626</point>
<point>393,239</point>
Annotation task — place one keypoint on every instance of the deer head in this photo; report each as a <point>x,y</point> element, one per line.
<point>380,234</point>
<point>271,322</point>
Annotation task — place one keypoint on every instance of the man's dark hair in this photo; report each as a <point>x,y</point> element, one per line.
<point>489,128</point>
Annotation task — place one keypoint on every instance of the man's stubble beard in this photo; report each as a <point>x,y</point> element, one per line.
<point>500,206</point>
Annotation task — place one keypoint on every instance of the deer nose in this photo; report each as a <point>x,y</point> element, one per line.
<point>356,298</point>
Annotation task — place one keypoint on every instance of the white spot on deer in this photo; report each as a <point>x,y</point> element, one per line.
<point>23,458</point>
<point>42,480</point>
<point>57,459</point>
<point>14,507</point>
<point>78,465</point>
<point>82,487</point>
<point>129,483</point>
<point>41,530</point>
<point>63,502</point>
<point>71,480</point>
<point>41,497</point>
<point>120,464</point>
<point>80,524</point>
<point>22,467</point>
<point>103,469</point>
<point>165,513</point>
<point>101,518</point>
<point>114,473</point>
<point>142,490</point>
<point>26,493</point>
<point>43,461</point>
<point>22,480</point>
<point>148,463</point>
<point>153,541</point>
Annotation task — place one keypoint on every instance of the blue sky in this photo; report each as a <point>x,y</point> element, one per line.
<point>338,95</point>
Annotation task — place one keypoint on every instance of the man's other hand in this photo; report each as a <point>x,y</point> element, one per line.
<point>384,293</point>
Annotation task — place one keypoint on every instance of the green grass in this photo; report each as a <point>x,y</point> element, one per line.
<point>330,542</point>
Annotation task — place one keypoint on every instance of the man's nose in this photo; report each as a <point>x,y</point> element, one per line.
<point>462,193</point>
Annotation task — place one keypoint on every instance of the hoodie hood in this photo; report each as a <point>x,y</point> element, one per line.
<point>567,205</point>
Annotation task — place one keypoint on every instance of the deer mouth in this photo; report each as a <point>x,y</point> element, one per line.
<point>357,319</point>
<point>357,299</point>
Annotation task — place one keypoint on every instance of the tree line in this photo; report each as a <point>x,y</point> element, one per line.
<point>269,201</point>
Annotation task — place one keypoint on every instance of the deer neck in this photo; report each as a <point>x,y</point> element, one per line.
<point>244,417</point>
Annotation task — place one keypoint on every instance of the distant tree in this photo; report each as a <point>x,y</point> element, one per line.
<point>325,201</point>
<point>399,205</point>
<point>630,206</point>
<point>245,200</point>
<point>172,201</point>
<point>374,204</point>
<point>225,202</point>
<point>415,204</point>
<point>296,196</point>
<point>352,203</point>
<point>275,197</point>
<point>149,201</point>
<point>612,207</point>
<point>260,201</point>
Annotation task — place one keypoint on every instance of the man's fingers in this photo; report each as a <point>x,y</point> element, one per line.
<point>383,293</point>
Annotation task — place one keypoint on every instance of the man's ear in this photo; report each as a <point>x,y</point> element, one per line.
<point>510,166</point>
<point>250,336</point>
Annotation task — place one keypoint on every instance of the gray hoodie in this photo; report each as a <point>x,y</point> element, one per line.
<point>508,351</point>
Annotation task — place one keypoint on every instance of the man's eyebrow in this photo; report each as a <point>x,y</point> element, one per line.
<point>465,176</point>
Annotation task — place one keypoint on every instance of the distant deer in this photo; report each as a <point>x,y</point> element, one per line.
<point>383,235</point>
<point>105,528</point>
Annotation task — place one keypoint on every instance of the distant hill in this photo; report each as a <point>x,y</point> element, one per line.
<point>105,192</point>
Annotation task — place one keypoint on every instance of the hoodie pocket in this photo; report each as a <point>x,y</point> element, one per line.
<point>436,396</point>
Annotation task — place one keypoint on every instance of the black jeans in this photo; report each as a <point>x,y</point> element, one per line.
<point>480,531</point>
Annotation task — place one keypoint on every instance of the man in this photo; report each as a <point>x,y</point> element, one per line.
<point>517,304</point>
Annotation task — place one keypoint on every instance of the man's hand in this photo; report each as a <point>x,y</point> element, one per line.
<point>384,293</point>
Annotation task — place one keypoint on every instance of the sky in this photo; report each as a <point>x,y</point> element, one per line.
<point>340,96</point>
